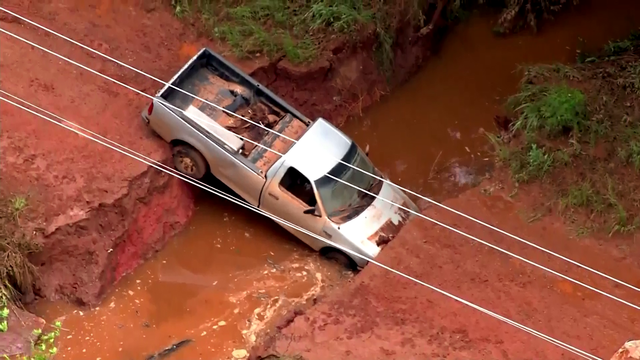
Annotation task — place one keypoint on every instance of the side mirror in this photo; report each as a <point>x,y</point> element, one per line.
<point>311,211</point>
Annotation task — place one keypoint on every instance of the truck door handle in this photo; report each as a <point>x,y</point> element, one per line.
<point>326,234</point>
<point>273,196</point>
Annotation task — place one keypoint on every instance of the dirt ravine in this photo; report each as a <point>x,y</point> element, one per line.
<point>99,214</point>
<point>382,316</point>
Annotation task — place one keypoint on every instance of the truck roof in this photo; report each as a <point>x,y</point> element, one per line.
<point>318,150</point>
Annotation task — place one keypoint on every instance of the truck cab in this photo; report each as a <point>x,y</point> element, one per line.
<point>309,187</point>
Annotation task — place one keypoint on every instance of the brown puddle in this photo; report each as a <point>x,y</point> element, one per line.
<point>221,280</point>
<point>218,283</point>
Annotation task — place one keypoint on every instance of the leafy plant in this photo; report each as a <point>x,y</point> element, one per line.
<point>43,347</point>
<point>555,109</point>
<point>501,149</point>
<point>17,205</point>
<point>4,313</point>
<point>615,48</point>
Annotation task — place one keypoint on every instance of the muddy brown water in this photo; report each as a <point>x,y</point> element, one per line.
<point>428,135</point>
<point>231,271</point>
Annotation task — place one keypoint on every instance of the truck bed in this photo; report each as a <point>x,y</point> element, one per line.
<point>211,77</point>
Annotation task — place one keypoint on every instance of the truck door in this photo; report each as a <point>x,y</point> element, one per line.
<point>287,196</point>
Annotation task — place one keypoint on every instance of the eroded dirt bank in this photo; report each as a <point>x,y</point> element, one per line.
<point>380,316</point>
<point>100,214</point>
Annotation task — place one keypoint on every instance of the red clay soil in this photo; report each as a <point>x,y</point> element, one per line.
<point>99,214</point>
<point>382,316</point>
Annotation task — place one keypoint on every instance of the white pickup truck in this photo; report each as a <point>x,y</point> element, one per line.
<point>299,186</point>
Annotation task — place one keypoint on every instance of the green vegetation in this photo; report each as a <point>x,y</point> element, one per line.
<point>295,29</point>
<point>4,313</point>
<point>43,347</point>
<point>17,274</point>
<point>575,130</point>
<point>554,109</point>
<point>516,14</point>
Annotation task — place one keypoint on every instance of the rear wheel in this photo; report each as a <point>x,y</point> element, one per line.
<point>340,258</point>
<point>189,161</point>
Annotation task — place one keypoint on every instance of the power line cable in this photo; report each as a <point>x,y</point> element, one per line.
<point>344,182</point>
<point>161,167</point>
<point>469,217</point>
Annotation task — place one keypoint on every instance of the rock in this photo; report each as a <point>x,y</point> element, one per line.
<point>150,5</point>
<point>629,351</point>
<point>239,354</point>
<point>17,340</point>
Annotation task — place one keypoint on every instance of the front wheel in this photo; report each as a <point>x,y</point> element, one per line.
<point>340,258</point>
<point>189,161</point>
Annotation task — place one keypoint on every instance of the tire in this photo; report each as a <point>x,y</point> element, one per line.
<point>189,161</point>
<point>340,258</point>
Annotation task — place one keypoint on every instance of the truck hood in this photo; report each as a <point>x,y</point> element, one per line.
<point>381,221</point>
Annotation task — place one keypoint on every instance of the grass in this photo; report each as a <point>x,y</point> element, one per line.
<point>296,30</point>
<point>532,162</point>
<point>516,14</point>
<point>17,274</point>
<point>17,205</point>
<point>575,131</point>
<point>555,109</point>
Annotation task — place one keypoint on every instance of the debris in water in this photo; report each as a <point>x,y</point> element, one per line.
<point>169,350</point>
<point>239,354</point>
<point>454,133</point>
<point>180,275</point>
<point>273,264</point>
<point>221,323</point>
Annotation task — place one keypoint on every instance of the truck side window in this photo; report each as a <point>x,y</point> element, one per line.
<point>299,186</point>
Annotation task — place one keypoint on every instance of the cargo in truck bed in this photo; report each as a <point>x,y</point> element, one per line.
<point>208,81</point>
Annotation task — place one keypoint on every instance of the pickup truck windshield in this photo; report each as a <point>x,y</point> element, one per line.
<point>343,202</point>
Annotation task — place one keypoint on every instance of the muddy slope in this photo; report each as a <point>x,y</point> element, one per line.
<point>99,214</point>
<point>376,316</point>
<point>347,79</point>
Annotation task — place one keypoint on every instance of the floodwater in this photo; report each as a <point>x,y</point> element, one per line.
<point>428,135</point>
<point>232,271</point>
<point>219,283</point>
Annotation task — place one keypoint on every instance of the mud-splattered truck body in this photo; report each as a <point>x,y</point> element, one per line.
<point>295,181</point>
